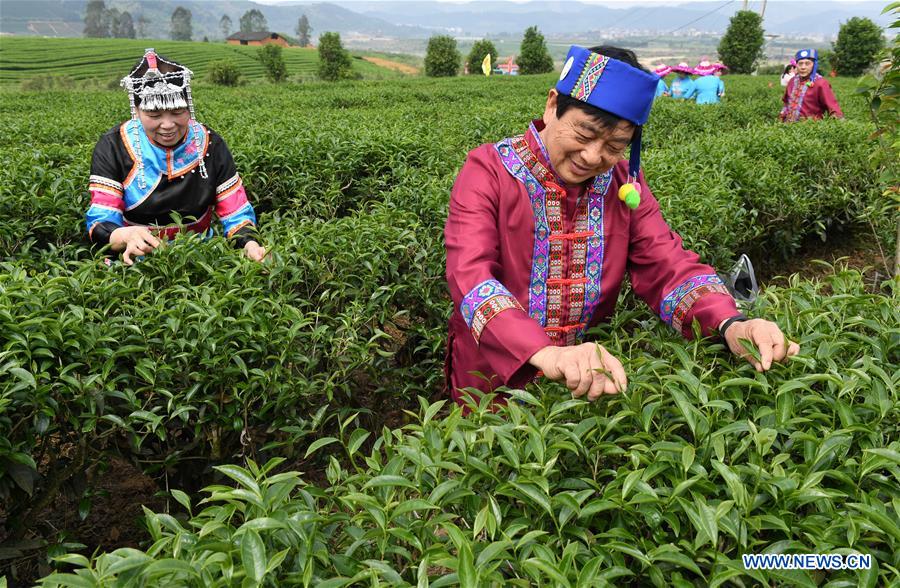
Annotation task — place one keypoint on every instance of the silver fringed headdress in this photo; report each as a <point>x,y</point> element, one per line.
<point>155,90</point>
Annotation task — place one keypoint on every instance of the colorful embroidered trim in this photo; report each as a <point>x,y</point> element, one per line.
<point>101,184</point>
<point>154,162</point>
<point>239,226</point>
<point>484,302</point>
<point>590,75</point>
<point>552,279</point>
<point>675,306</point>
<point>489,310</point>
<point>795,99</point>
<point>229,183</point>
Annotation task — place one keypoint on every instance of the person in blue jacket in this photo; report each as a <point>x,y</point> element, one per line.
<point>709,87</point>
<point>661,88</point>
<point>683,87</point>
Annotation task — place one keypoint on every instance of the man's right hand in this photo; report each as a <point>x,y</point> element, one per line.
<point>133,241</point>
<point>586,368</point>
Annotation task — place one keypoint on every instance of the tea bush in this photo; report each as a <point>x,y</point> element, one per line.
<point>701,460</point>
<point>223,73</point>
<point>81,59</point>
<point>197,357</point>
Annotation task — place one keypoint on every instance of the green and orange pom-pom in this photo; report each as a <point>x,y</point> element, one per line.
<point>630,194</point>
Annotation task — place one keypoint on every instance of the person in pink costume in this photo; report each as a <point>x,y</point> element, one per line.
<point>539,241</point>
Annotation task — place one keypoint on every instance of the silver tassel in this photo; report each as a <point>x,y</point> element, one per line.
<point>142,182</point>
<point>190,99</point>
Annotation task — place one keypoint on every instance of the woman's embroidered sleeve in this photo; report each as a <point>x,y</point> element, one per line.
<point>232,205</point>
<point>105,213</point>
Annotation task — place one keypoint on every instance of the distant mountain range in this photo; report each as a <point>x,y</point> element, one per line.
<point>492,17</point>
<point>410,20</point>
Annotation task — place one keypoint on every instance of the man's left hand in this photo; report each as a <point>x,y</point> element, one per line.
<point>768,339</point>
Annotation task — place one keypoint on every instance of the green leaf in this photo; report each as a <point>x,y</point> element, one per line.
<point>492,552</point>
<point>670,553</point>
<point>241,476</point>
<point>134,560</point>
<point>881,520</point>
<point>422,574</point>
<point>25,376</point>
<point>69,580</point>
<point>182,498</point>
<point>465,567</point>
<point>358,437</point>
<point>75,559</point>
<point>412,505</point>
<point>890,454</point>
<point>687,457</point>
<point>388,480</point>
<point>548,569</point>
<point>535,494</point>
<point>318,444</point>
<point>262,524</point>
<point>164,567</point>
<point>587,578</point>
<point>733,481</point>
<point>253,556</point>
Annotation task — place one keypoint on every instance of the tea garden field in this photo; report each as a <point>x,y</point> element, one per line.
<point>265,399</point>
<point>103,62</point>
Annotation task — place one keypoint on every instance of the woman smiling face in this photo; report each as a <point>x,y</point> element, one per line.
<point>166,128</point>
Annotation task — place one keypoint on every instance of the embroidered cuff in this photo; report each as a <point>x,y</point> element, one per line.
<point>105,185</point>
<point>676,305</point>
<point>484,302</point>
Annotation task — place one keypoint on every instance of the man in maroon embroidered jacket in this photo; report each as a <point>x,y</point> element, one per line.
<point>539,239</point>
<point>808,94</point>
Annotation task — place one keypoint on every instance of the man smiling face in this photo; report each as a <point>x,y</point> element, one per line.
<point>804,67</point>
<point>580,145</point>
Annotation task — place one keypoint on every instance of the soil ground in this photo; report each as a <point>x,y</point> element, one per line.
<point>387,63</point>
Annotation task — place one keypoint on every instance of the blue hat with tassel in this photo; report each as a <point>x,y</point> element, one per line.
<point>613,86</point>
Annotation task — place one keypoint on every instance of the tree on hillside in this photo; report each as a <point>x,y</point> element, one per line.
<point>225,25</point>
<point>142,22</point>
<point>476,55</point>
<point>181,24</point>
<point>273,62</point>
<point>742,45</point>
<point>534,58</point>
<point>303,31</point>
<point>110,16</point>
<point>95,20</point>
<point>858,42</point>
<point>123,26</point>
<point>442,58</point>
<point>253,21</point>
<point>334,60</point>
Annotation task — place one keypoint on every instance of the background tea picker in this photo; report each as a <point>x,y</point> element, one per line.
<point>162,172</point>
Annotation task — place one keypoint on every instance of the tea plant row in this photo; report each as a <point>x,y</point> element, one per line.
<point>700,461</point>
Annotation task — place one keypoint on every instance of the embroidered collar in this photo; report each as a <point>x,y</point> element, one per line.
<point>157,162</point>
<point>533,133</point>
